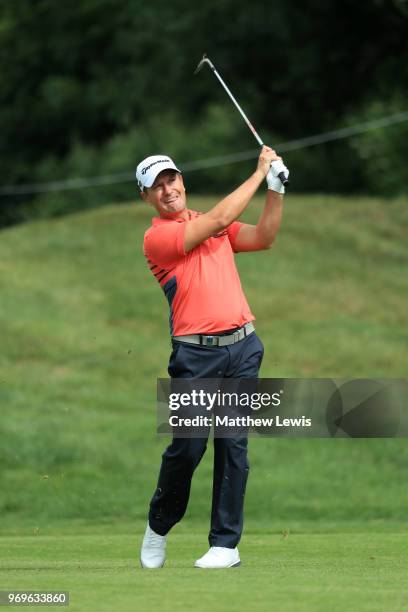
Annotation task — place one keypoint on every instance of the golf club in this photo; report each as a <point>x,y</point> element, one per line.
<point>205,60</point>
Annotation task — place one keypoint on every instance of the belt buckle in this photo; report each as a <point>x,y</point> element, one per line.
<point>209,341</point>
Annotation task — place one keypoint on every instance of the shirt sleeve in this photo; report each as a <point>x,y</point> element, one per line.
<point>232,231</point>
<point>165,244</point>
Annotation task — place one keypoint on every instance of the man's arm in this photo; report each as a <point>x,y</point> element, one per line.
<point>261,236</point>
<point>230,208</point>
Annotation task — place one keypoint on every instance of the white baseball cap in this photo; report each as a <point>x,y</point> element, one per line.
<point>150,167</point>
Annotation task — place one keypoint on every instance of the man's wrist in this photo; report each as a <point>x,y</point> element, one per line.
<point>274,197</point>
<point>260,176</point>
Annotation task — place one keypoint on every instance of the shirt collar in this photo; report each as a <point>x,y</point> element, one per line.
<point>159,220</point>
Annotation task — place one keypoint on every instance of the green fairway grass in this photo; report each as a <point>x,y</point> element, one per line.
<point>84,336</point>
<point>363,570</point>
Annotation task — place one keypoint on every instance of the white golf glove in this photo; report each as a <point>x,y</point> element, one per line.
<point>274,183</point>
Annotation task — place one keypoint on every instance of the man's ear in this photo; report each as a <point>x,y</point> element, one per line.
<point>144,196</point>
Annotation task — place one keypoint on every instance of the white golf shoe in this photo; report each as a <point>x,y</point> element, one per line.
<point>153,553</point>
<point>218,557</point>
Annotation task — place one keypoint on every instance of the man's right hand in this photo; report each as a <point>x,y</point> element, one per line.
<point>266,157</point>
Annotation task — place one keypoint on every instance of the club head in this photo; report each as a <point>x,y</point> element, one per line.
<point>205,60</point>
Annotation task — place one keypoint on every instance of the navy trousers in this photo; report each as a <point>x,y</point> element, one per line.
<point>180,459</point>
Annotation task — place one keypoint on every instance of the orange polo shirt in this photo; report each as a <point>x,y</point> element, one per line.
<point>202,286</point>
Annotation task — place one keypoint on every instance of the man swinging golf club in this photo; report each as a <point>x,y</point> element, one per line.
<point>213,336</point>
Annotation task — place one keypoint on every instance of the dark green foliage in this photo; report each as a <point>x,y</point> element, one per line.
<point>80,80</point>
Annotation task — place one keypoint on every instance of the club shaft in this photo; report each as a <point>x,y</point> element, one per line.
<point>247,121</point>
<point>282,177</point>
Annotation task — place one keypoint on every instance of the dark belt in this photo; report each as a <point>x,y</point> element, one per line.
<point>222,340</point>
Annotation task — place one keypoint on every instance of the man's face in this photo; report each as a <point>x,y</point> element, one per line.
<point>167,194</point>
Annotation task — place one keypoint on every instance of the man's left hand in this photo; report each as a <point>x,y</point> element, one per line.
<point>274,183</point>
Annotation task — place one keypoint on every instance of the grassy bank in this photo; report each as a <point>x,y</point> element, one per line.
<point>84,335</point>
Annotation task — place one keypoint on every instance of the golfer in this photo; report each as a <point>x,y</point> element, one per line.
<point>213,336</point>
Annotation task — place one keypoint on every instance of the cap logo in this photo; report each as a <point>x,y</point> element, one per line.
<point>159,161</point>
